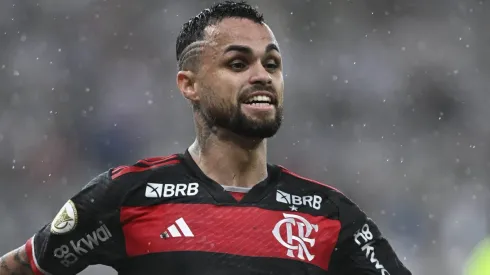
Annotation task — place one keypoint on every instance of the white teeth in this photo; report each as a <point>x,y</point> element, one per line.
<point>259,98</point>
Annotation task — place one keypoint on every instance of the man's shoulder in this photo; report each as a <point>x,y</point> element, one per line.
<point>295,178</point>
<point>144,167</point>
<point>334,195</point>
<point>125,177</point>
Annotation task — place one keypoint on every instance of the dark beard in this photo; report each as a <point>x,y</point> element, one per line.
<point>238,123</point>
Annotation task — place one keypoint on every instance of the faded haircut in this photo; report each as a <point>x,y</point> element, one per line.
<point>189,43</point>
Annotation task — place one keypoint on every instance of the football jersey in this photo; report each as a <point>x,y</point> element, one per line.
<point>165,216</point>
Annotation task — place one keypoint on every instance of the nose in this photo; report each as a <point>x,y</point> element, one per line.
<point>260,75</point>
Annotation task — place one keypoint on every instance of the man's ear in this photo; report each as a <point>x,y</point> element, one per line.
<point>186,81</point>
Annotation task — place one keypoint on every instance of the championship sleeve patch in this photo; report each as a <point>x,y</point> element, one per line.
<point>66,220</point>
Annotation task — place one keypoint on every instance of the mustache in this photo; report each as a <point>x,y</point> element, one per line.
<point>256,88</point>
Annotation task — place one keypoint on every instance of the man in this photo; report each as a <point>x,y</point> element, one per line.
<point>218,208</point>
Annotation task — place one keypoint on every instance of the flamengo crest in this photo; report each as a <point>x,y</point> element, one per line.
<point>300,243</point>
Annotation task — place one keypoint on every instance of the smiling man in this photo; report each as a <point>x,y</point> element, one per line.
<point>219,207</point>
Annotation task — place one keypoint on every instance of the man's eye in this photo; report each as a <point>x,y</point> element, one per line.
<point>271,65</point>
<point>237,65</point>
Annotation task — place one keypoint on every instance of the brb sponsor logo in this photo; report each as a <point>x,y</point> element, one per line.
<point>297,245</point>
<point>70,253</point>
<point>364,238</point>
<point>314,201</point>
<point>160,190</point>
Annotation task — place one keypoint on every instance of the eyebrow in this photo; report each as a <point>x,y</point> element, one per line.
<point>248,50</point>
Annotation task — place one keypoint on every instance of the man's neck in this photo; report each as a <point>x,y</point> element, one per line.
<point>230,160</point>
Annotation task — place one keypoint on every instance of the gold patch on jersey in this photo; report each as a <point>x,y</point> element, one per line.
<point>66,220</point>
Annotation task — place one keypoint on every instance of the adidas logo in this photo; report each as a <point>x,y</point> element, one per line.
<point>179,229</point>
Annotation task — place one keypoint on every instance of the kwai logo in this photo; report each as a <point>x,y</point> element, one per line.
<point>365,239</point>
<point>69,254</point>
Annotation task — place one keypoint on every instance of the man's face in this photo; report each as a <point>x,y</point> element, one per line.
<point>240,82</point>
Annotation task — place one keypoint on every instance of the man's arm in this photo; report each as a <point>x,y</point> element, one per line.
<point>361,248</point>
<point>85,231</point>
<point>15,263</point>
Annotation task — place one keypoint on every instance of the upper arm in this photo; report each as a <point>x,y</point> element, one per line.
<point>85,231</point>
<point>361,248</point>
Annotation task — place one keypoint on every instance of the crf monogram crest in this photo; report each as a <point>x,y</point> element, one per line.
<point>299,243</point>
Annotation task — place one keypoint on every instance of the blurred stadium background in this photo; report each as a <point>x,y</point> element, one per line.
<point>387,100</point>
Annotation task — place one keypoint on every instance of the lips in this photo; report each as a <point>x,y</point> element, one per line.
<point>260,98</point>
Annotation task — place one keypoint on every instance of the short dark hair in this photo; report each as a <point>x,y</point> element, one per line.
<point>193,30</point>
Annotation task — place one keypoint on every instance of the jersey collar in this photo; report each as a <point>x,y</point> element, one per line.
<point>256,193</point>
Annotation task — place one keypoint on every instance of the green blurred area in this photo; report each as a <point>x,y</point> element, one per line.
<point>479,261</point>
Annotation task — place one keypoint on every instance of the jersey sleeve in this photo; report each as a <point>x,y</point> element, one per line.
<point>85,231</point>
<point>361,248</point>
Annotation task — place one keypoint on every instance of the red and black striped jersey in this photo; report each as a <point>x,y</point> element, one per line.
<point>165,216</point>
